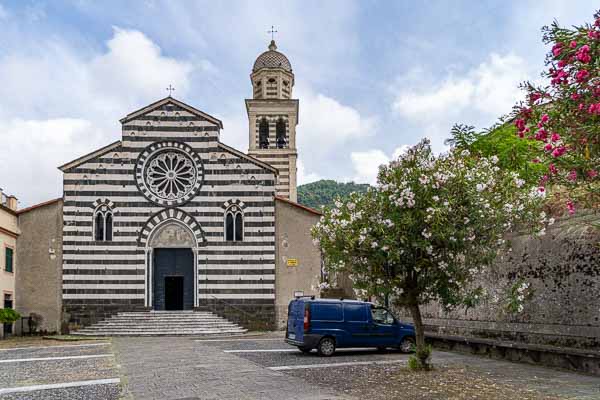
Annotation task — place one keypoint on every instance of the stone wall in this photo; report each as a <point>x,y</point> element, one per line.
<point>563,268</point>
<point>38,271</point>
<point>292,229</point>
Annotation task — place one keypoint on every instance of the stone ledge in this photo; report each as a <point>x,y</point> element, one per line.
<point>587,361</point>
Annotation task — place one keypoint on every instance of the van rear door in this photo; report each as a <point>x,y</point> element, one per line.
<point>295,327</point>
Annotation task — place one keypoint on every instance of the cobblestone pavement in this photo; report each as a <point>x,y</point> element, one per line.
<point>59,372</point>
<point>181,368</point>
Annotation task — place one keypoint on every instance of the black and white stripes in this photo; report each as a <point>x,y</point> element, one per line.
<point>102,275</point>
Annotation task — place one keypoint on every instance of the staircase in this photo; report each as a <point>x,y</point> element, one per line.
<point>162,323</point>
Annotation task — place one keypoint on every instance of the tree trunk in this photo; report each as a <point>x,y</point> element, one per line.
<point>421,353</point>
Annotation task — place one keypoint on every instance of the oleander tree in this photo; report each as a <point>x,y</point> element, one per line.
<point>563,114</point>
<point>429,226</point>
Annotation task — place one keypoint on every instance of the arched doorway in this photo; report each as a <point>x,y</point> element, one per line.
<point>172,271</point>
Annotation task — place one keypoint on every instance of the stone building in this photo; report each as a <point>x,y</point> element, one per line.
<point>9,232</point>
<point>170,218</point>
<point>39,254</point>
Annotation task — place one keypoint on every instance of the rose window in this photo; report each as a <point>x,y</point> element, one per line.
<point>169,173</point>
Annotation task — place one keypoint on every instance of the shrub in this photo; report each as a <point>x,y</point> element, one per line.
<point>8,315</point>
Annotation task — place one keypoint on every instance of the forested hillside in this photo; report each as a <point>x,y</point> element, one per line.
<point>323,192</point>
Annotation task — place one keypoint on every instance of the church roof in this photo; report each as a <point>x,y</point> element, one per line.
<point>249,158</point>
<point>158,104</point>
<point>97,153</point>
<point>272,59</point>
<point>298,205</point>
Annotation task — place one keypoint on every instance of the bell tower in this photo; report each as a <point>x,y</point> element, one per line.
<point>272,118</point>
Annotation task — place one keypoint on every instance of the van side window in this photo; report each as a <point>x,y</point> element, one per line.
<point>355,312</point>
<point>382,316</point>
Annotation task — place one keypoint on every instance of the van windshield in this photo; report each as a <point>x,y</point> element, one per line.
<point>382,316</point>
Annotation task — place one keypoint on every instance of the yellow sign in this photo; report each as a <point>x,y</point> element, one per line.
<point>292,262</point>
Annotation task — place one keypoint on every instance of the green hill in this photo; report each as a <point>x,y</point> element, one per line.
<point>324,192</point>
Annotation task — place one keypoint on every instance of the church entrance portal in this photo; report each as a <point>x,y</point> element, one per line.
<point>173,279</point>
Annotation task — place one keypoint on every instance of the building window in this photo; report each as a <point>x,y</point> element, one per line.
<point>280,133</point>
<point>8,302</point>
<point>234,225</point>
<point>263,134</point>
<point>103,224</point>
<point>8,266</point>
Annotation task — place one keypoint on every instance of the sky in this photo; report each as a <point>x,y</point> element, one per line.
<point>372,77</point>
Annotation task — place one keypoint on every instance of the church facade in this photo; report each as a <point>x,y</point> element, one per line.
<point>170,218</point>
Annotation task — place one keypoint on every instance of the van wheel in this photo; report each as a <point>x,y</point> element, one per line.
<point>326,347</point>
<point>407,344</point>
<point>305,349</point>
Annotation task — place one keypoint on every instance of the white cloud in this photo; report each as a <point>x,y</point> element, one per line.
<point>366,163</point>
<point>326,123</point>
<point>479,96</point>
<point>33,149</point>
<point>304,177</point>
<point>65,104</point>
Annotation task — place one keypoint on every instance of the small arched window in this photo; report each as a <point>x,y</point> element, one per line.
<point>99,226</point>
<point>263,134</point>
<point>280,133</point>
<point>234,225</point>
<point>103,224</point>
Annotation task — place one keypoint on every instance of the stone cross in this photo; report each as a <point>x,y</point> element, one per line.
<point>272,32</point>
<point>170,89</point>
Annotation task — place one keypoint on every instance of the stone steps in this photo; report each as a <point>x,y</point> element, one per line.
<point>162,323</point>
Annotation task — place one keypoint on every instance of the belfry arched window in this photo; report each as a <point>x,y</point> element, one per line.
<point>263,134</point>
<point>280,135</point>
<point>234,224</point>
<point>103,224</point>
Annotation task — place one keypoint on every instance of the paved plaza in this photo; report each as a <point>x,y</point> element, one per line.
<point>259,367</point>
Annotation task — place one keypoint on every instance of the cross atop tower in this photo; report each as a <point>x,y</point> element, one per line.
<point>272,32</point>
<point>170,89</point>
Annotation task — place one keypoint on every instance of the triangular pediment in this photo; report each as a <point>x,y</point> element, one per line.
<point>158,105</point>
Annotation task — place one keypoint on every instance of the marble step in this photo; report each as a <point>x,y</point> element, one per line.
<point>162,323</point>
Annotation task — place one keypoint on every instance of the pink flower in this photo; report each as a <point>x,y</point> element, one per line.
<point>581,75</point>
<point>593,34</point>
<point>557,49</point>
<point>553,169</point>
<point>573,44</point>
<point>542,135</point>
<point>559,151</point>
<point>592,173</point>
<point>536,160</point>
<point>571,207</point>
<point>545,118</point>
<point>548,147</point>
<point>572,176</point>
<point>541,189</point>
<point>520,124</point>
<point>555,137</point>
<point>575,97</point>
<point>581,106</point>
<point>533,97</point>
<point>562,63</point>
<point>583,54</point>
<point>543,180</point>
<point>592,108</point>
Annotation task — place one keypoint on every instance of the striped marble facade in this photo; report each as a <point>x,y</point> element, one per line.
<point>102,277</point>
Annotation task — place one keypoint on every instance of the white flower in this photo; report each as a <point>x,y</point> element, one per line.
<point>480,187</point>
<point>494,159</point>
<point>465,153</point>
<point>374,245</point>
<point>426,234</point>
<point>436,198</point>
<point>423,179</point>
<point>551,221</point>
<point>519,182</point>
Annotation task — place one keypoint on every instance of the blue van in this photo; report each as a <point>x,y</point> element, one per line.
<point>327,324</point>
